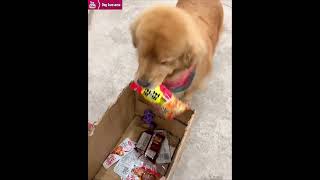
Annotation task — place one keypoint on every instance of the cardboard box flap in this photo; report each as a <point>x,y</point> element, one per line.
<point>114,122</point>
<point>178,152</point>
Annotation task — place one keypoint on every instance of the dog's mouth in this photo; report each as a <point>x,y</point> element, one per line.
<point>149,82</point>
<point>153,85</point>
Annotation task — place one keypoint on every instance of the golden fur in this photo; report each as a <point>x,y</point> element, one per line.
<point>171,39</point>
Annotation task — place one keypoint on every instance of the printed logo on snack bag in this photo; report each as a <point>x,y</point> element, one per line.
<point>104,4</point>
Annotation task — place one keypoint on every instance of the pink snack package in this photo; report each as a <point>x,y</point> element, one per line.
<point>119,152</point>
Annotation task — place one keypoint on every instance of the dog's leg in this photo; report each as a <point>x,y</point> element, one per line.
<point>187,96</point>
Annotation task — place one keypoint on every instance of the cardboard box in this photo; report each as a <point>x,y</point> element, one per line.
<point>119,122</point>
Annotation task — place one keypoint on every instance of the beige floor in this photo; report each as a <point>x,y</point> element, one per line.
<point>112,64</point>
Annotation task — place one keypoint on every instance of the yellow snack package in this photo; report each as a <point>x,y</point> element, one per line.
<point>168,105</point>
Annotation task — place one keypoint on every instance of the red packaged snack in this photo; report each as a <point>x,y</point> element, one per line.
<point>143,173</point>
<point>154,146</point>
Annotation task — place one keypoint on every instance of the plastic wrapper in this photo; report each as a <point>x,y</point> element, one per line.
<point>126,164</point>
<point>119,152</point>
<point>136,167</point>
<point>143,170</point>
<point>164,154</point>
<point>155,144</point>
<point>163,167</point>
<point>143,141</point>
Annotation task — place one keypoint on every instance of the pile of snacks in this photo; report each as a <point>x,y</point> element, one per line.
<point>146,159</point>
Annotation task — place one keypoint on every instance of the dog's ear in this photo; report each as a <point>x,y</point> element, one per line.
<point>194,53</point>
<point>133,34</point>
<point>187,57</point>
<point>133,28</point>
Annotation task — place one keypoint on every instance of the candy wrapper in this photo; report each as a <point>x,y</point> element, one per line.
<point>119,152</point>
<point>168,105</point>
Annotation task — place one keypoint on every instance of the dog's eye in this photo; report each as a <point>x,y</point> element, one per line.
<point>164,62</point>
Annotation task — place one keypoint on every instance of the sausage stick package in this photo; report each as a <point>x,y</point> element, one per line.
<point>155,144</point>
<point>144,141</point>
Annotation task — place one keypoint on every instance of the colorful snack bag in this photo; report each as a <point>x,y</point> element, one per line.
<point>119,152</point>
<point>169,105</point>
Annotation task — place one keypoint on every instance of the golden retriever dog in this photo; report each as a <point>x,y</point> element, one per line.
<point>175,45</point>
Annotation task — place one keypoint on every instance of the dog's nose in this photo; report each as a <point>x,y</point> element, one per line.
<point>143,83</point>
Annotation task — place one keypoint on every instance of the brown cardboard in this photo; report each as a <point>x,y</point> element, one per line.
<point>109,130</point>
<point>121,120</point>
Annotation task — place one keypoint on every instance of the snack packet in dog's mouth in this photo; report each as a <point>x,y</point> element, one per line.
<point>162,99</point>
<point>119,152</point>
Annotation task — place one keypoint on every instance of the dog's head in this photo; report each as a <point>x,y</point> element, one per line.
<point>165,43</point>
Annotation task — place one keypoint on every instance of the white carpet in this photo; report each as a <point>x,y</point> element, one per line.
<point>112,64</point>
